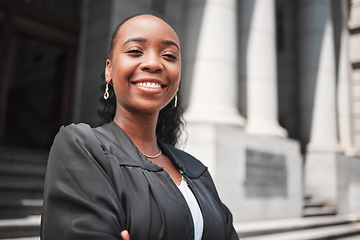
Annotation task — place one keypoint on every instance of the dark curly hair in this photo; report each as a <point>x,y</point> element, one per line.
<point>170,122</point>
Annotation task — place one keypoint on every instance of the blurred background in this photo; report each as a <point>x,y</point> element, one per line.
<point>271,92</point>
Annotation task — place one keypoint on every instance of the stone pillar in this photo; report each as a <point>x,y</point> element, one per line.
<point>354,23</point>
<point>210,76</point>
<point>92,53</point>
<point>344,89</point>
<point>258,66</point>
<point>317,76</point>
<point>317,80</point>
<point>210,59</point>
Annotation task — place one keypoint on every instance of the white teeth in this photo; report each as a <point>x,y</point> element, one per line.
<point>148,85</point>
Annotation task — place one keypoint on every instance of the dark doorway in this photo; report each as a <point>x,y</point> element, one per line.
<point>38,42</point>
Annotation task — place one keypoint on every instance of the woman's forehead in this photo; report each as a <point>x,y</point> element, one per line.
<point>143,25</point>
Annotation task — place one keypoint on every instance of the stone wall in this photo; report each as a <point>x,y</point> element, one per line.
<point>348,186</point>
<point>257,177</point>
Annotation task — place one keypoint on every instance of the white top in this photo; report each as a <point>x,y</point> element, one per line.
<point>194,209</point>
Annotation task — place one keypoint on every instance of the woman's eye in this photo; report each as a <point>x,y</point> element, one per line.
<point>134,51</point>
<point>170,56</point>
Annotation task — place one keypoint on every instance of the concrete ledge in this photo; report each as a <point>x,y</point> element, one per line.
<point>27,238</point>
<point>23,227</point>
<point>246,229</point>
<point>311,234</point>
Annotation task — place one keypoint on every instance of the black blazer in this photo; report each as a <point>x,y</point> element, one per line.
<point>98,184</point>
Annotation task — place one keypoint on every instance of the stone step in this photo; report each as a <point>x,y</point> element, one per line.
<point>22,185</point>
<point>21,189</point>
<point>23,238</point>
<point>258,228</point>
<point>23,156</point>
<point>17,208</point>
<point>307,196</point>
<point>22,173</point>
<point>25,194</point>
<point>21,165</point>
<point>357,237</point>
<point>314,204</point>
<point>323,211</point>
<point>315,207</point>
<point>20,228</point>
<point>331,232</point>
<point>21,170</point>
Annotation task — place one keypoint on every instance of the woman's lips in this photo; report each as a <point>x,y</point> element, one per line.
<point>149,85</point>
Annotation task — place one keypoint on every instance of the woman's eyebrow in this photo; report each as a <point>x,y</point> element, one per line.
<point>166,42</point>
<point>134,40</point>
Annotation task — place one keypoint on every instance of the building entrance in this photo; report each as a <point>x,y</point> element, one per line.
<point>38,42</point>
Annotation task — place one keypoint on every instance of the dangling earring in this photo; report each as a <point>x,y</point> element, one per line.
<point>106,94</point>
<point>175,103</point>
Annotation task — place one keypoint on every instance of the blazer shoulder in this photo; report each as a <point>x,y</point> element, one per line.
<point>76,129</point>
<point>79,132</point>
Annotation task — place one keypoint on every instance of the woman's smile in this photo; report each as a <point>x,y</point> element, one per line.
<point>150,85</point>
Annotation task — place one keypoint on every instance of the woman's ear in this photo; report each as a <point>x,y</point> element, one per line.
<point>108,71</point>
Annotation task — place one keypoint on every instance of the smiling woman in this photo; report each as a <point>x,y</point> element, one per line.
<point>140,58</point>
<point>125,179</point>
<point>170,121</point>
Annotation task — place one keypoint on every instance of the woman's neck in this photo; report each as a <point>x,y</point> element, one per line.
<point>141,128</point>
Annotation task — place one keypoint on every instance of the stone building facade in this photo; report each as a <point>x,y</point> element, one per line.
<point>271,91</point>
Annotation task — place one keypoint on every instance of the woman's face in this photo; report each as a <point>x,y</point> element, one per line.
<point>145,65</point>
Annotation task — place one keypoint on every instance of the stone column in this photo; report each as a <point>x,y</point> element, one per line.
<point>258,66</point>
<point>344,89</point>
<point>317,76</point>
<point>354,23</point>
<point>210,77</point>
<point>317,81</point>
<point>210,59</point>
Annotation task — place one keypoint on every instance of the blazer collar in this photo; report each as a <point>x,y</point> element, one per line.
<point>131,155</point>
<point>189,165</point>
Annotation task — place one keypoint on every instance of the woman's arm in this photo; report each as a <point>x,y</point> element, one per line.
<point>79,199</point>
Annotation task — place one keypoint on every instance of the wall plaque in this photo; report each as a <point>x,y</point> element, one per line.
<point>266,174</point>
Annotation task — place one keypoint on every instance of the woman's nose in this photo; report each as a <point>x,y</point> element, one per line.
<point>152,63</point>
